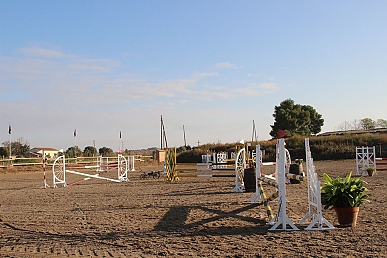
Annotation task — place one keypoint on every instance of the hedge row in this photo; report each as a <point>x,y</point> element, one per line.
<point>335,147</point>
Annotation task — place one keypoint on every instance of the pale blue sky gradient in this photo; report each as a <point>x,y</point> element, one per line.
<point>214,66</point>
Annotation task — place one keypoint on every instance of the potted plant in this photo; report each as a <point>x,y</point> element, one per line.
<point>370,171</point>
<point>345,196</point>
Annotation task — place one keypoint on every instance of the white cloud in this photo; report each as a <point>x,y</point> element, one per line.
<point>63,92</point>
<point>268,86</point>
<point>203,75</point>
<point>85,83</point>
<point>257,90</point>
<point>98,65</point>
<point>226,65</point>
<point>42,52</point>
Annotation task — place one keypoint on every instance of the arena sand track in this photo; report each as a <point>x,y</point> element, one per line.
<point>195,217</point>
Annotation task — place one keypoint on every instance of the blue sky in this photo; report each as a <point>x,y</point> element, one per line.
<point>102,67</point>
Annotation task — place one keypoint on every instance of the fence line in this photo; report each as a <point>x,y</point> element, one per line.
<point>5,162</point>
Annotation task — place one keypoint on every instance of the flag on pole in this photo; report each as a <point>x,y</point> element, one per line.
<point>281,133</point>
<point>75,132</point>
<point>9,129</point>
<point>120,134</point>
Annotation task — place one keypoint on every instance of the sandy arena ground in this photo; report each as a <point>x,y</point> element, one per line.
<point>195,217</point>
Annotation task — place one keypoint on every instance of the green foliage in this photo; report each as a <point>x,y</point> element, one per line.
<point>296,119</point>
<point>19,148</point>
<point>370,169</point>
<point>183,148</point>
<point>73,152</point>
<point>90,151</point>
<point>367,123</point>
<point>105,151</point>
<point>191,156</point>
<point>343,193</point>
<point>3,152</point>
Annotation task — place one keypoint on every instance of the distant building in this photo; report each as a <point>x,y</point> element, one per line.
<point>48,152</point>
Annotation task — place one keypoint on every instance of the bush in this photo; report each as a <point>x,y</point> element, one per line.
<point>335,147</point>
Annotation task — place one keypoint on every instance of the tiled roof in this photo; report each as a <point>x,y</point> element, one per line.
<point>43,148</point>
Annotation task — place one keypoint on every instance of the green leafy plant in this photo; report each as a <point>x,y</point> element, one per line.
<point>342,193</point>
<point>370,170</point>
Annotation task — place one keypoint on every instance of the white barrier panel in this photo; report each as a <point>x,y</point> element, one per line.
<point>365,157</point>
<point>59,171</point>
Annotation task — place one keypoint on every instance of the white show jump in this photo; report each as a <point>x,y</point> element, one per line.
<point>59,171</point>
<point>365,157</point>
<point>281,221</point>
<point>240,165</point>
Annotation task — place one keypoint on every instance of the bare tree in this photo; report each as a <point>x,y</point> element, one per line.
<point>345,126</point>
<point>356,125</point>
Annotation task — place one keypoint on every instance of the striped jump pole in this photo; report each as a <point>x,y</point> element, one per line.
<point>297,177</point>
<point>266,201</point>
<point>257,197</point>
<point>79,181</point>
<point>268,181</point>
<point>45,185</point>
<point>381,164</point>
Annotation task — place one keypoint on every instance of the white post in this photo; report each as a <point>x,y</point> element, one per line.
<point>314,196</point>
<point>257,196</point>
<point>282,217</point>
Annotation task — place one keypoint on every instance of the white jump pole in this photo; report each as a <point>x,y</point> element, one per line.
<point>93,176</point>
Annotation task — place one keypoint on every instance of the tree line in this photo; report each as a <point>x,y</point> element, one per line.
<point>362,124</point>
<point>21,149</point>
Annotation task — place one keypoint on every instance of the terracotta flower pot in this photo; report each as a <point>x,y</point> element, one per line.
<point>347,216</point>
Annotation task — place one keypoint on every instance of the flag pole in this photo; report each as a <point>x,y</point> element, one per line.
<point>122,142</point>
<point>10,144</point>
<point>75,144</point>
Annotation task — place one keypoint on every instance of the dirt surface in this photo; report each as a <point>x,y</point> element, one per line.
<point>194,217</point>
